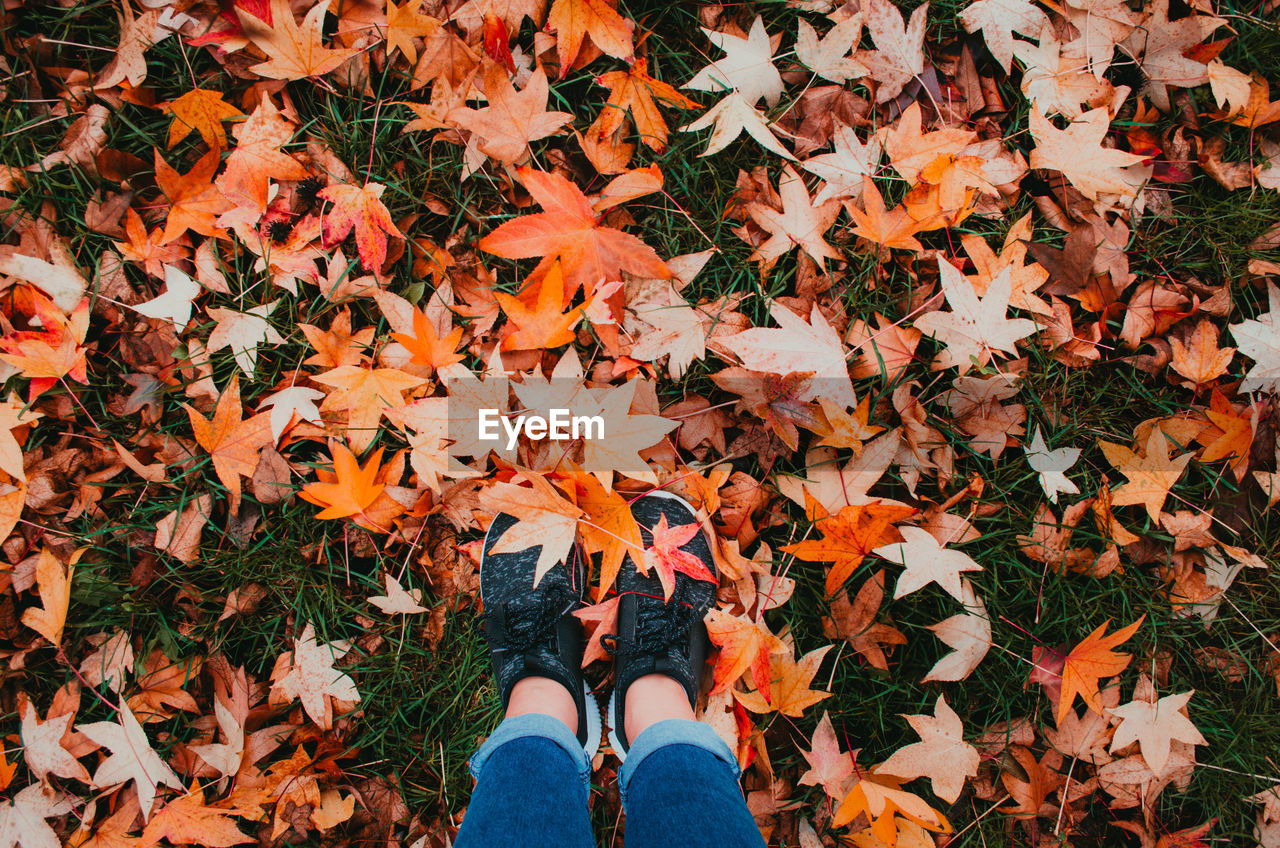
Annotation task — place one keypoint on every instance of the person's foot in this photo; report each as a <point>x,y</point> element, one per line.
<point>535,641</point>
<point>661,644</point>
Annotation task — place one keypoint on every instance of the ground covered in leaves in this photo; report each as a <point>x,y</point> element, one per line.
<point>957,322</point>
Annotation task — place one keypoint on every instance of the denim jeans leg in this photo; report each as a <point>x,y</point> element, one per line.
<point>679,786</point>
<point>532,785</point>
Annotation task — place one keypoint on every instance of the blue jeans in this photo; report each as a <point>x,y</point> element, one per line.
<point>679,786</point>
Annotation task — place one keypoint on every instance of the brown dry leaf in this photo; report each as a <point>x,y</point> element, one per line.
<point>54,583</point>
<point>856,622</point>
<point>178,533</point>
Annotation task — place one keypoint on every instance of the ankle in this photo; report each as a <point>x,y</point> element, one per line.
<point>654,698</point>
<point>545,696</point>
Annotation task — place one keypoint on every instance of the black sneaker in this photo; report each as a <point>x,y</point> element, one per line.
<point>657,636</point>
<point>532,632</point>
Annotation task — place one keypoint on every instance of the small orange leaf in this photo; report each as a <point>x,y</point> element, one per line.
<point>1090,661</point>
<point>352,488</point>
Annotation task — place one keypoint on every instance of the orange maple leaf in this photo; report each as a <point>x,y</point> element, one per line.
<point>634,91</point>
<point>790,693</point>
<point>293,51</point>
<point>888,229</point>
<point>233,444</point>
<point>570,230</point>
<point>1090,661</point>
<point>848,536</point>
<point>608,528</point>
<point>53,352</point>
<point>201,110</point>
<point>257,159</point>
<point>187,820</point>
<point>542,325</point>
<point>352,489</point>
<point>366,394</point>
<point>571,20</point>
<point>605,617</point>
<point>744,644</point>
<point>881,799</point>
<point>148,248</point>
<point>194,202</point>
<point>427,348</point>
<point>665,558</point>
<point>359,208</point>
<point>504,127</point>
<point>1150,476</point>
<point>1231,434</point>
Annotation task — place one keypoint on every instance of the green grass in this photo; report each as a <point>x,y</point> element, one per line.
<point>424,707</point>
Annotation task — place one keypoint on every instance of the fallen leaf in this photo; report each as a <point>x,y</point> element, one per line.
<point>926,562</point>
<point>132,759</point>
<point>397,601</point>
<point>1088,662</point>
<point>307,674</point>
<point>747,67</point>
<point>942,755</point>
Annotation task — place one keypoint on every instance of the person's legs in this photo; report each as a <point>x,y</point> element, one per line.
<point>679,786</point>
<point>532,782</point>
<point>533,774</point>
<point>679,781</point>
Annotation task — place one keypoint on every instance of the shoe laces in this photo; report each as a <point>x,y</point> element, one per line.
<point>527,625</point>
<point>659,626</point>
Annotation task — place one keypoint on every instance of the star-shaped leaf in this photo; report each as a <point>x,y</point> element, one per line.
<point>926,562</point>
<point>1150,476</point>
<point>233,443</point>
<point>1052,466</point>
<point>998,20</point>
<point>132,759</point>
<point>942,755</point>
<point>294,50</point>
<point>504,127</point>
<point>747,67</point>
<point>308,676</point>
<point>359,208</point>
<point>730,117</point>
<point>202,110</point>
<point>572,20</point>
<point>801,222</point>
<point>366,394</point>
<point>847,538</point>
<point>789,692</point>
<point>1154,726</point>
<point>844,169</point>
<point>570,228</point>
<point>976,326</point>
<point>1259,339</point>
<point>243,332</point>
<point>1077,152</point>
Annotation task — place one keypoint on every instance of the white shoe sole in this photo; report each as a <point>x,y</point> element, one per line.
<point>614,742</point>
